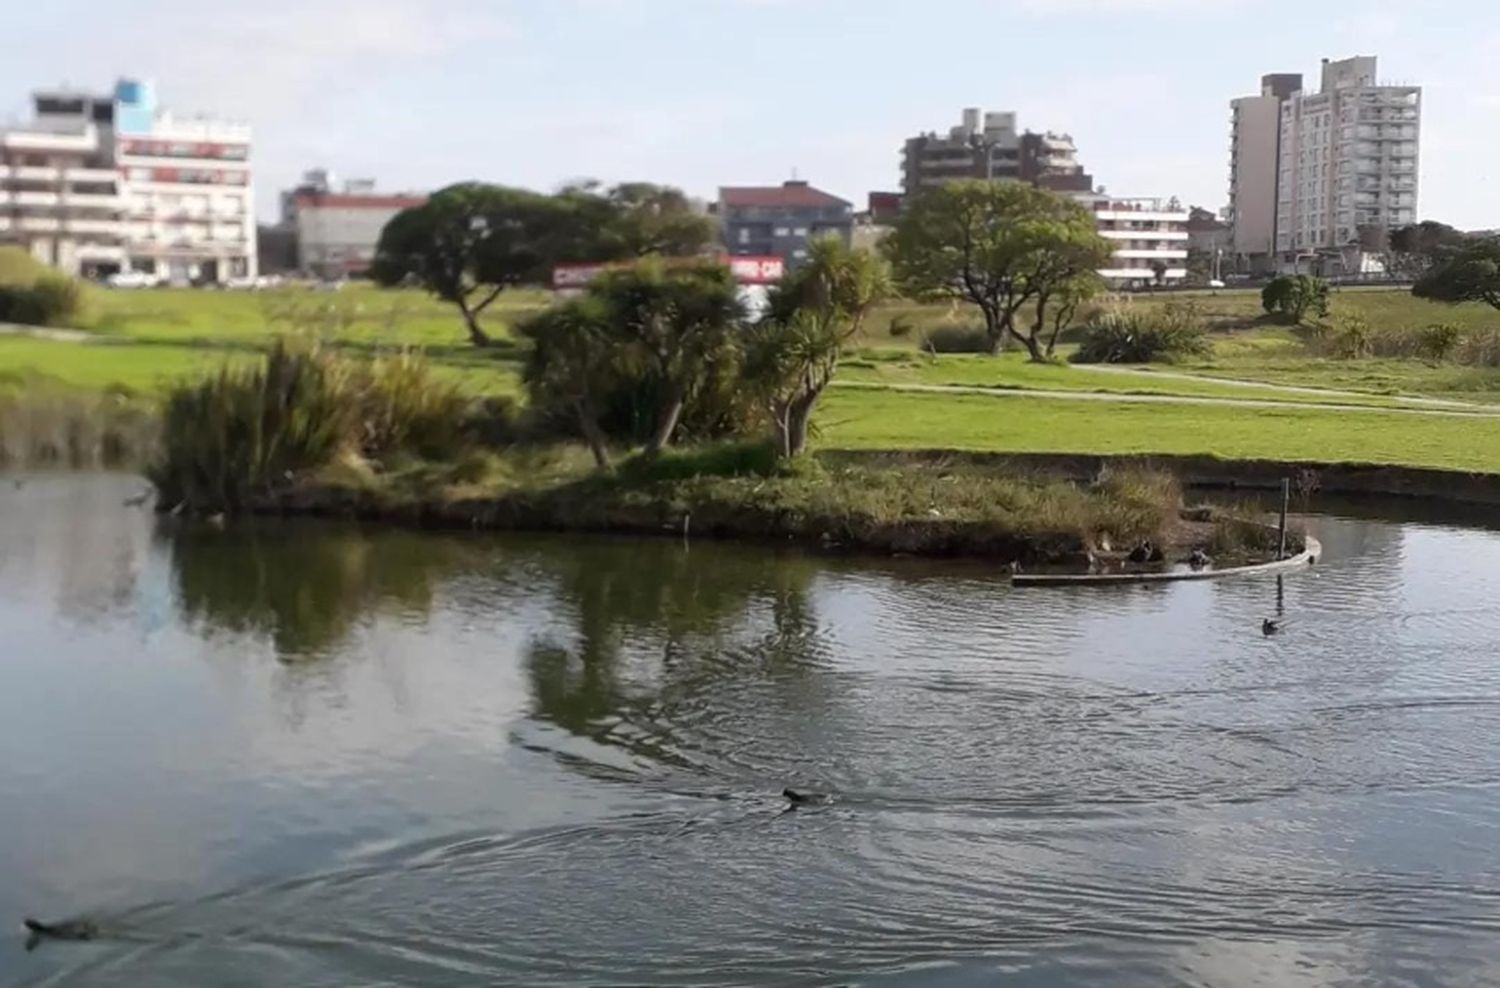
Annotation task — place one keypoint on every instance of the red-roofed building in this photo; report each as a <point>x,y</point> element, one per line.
<point>337,231</point>
<point>781,220</point>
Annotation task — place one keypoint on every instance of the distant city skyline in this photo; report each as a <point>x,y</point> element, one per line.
<point>703,93</point>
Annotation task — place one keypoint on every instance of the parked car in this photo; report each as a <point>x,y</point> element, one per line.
<point>1215,283</point>
<point>133,279</point>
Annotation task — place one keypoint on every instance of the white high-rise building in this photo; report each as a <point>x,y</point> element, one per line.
<point>1316,179</point>
<point>1348,163</point>
<point>97,184</point>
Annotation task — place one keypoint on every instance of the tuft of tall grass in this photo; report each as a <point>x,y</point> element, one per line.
<point>245,432</point>
<point>1141,335</point>
<point>58,428</point>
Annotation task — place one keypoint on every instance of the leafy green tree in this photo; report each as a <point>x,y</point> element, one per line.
<point>1415,248</point>
<point>793,352</point>
<point>997,245</point>
<point>1159,272</point>
<point>630,220</point>
<point>1294,296</point>
<point>573,364</point>
<point>676,321</point>
<point>467,244</point>
<point>1467,273</point>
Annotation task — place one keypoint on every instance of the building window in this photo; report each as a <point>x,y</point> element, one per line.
<point>782,231</point>
<point>801,231</point>
<point>744,235</point>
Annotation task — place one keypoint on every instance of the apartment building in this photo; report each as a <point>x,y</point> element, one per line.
<point>1150,238</point>
<point>132,187</point>
<point>59,190</point>
<point>989,146</point>
<point>1348,165</point>
<point>1254,164</point>
<point>189,198</point>
<point>336,227</point>
<point>781,220</point>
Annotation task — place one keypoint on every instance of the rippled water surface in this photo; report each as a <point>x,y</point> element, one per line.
<point>288,754</point>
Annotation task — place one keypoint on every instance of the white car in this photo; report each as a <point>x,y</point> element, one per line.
<point>133,279</point>
<point>1216,283</point>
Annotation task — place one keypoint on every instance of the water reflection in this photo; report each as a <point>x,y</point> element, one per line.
<point>305,586</point>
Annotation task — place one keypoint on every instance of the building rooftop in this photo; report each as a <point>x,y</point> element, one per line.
<point>793,194</point>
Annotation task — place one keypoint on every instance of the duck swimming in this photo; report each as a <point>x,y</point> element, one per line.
<point>68,929</point>
<point>1269,627</point>
<point>806,798</point>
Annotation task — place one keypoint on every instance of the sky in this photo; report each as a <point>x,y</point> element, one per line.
<point>703,93</point>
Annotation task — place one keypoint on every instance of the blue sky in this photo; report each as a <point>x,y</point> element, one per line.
<point>701,93</point>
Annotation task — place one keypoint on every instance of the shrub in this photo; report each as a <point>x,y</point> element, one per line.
<point>902,326</point>
<point>19,269</point>
<point>1351,337</point>
<point>406,408</point>
<point>1438,341</point>
<point>51,300</point>
<point>245,432</point>
<point>956,339</point>
<point>1292,297</point>
<point>1140,336</point>
<point>738,459</point>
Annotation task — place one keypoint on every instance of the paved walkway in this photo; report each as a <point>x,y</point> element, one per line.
<point>1472,412</point>
<point>43,333</point>
<point>1292,388</point>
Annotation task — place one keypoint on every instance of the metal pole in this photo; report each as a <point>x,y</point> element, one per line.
<point>1286,499</point>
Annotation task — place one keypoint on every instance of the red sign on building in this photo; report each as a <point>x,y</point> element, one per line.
<point>746,271</point>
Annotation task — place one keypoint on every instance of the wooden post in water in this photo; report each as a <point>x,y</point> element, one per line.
<point>1286,500</point>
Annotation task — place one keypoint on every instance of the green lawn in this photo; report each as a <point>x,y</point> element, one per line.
<point>1013,371</point>
<point>150,339</point>
<point>871,419</point>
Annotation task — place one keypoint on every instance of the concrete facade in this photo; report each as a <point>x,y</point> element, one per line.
<point>1254,161</point>
<point>97,184</point>
<point>989,147</point>
<point>336,230</point>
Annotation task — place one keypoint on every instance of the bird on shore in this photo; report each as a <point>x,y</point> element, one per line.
<point>797,798</point>
<point>70,929</point>
<point>1270,627</point>
<point>1200,559</point>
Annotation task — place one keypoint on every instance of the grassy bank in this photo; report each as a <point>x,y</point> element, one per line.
<point>917,505</point>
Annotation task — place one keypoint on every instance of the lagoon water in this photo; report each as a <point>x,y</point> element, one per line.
<point>308,754</point>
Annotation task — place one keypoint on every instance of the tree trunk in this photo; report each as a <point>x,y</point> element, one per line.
<point>994,328</point>
<point>588,424</point>
<point>799,416</point>
<point>667,415</point>
<point>477,336</point>
<point>1033,347</point>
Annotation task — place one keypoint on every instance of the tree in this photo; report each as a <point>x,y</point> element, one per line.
<point>675,320</point>
<point>1470,273</point>
<point>572,364</point>
<point>1159,272</point>
<point>1415,248</point>
<point>793,352</point>
<point>1294,296</point>
<point>630,220</point>
<point>997,245</point>
<point>467,244</point>
<point>1069,296</point>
